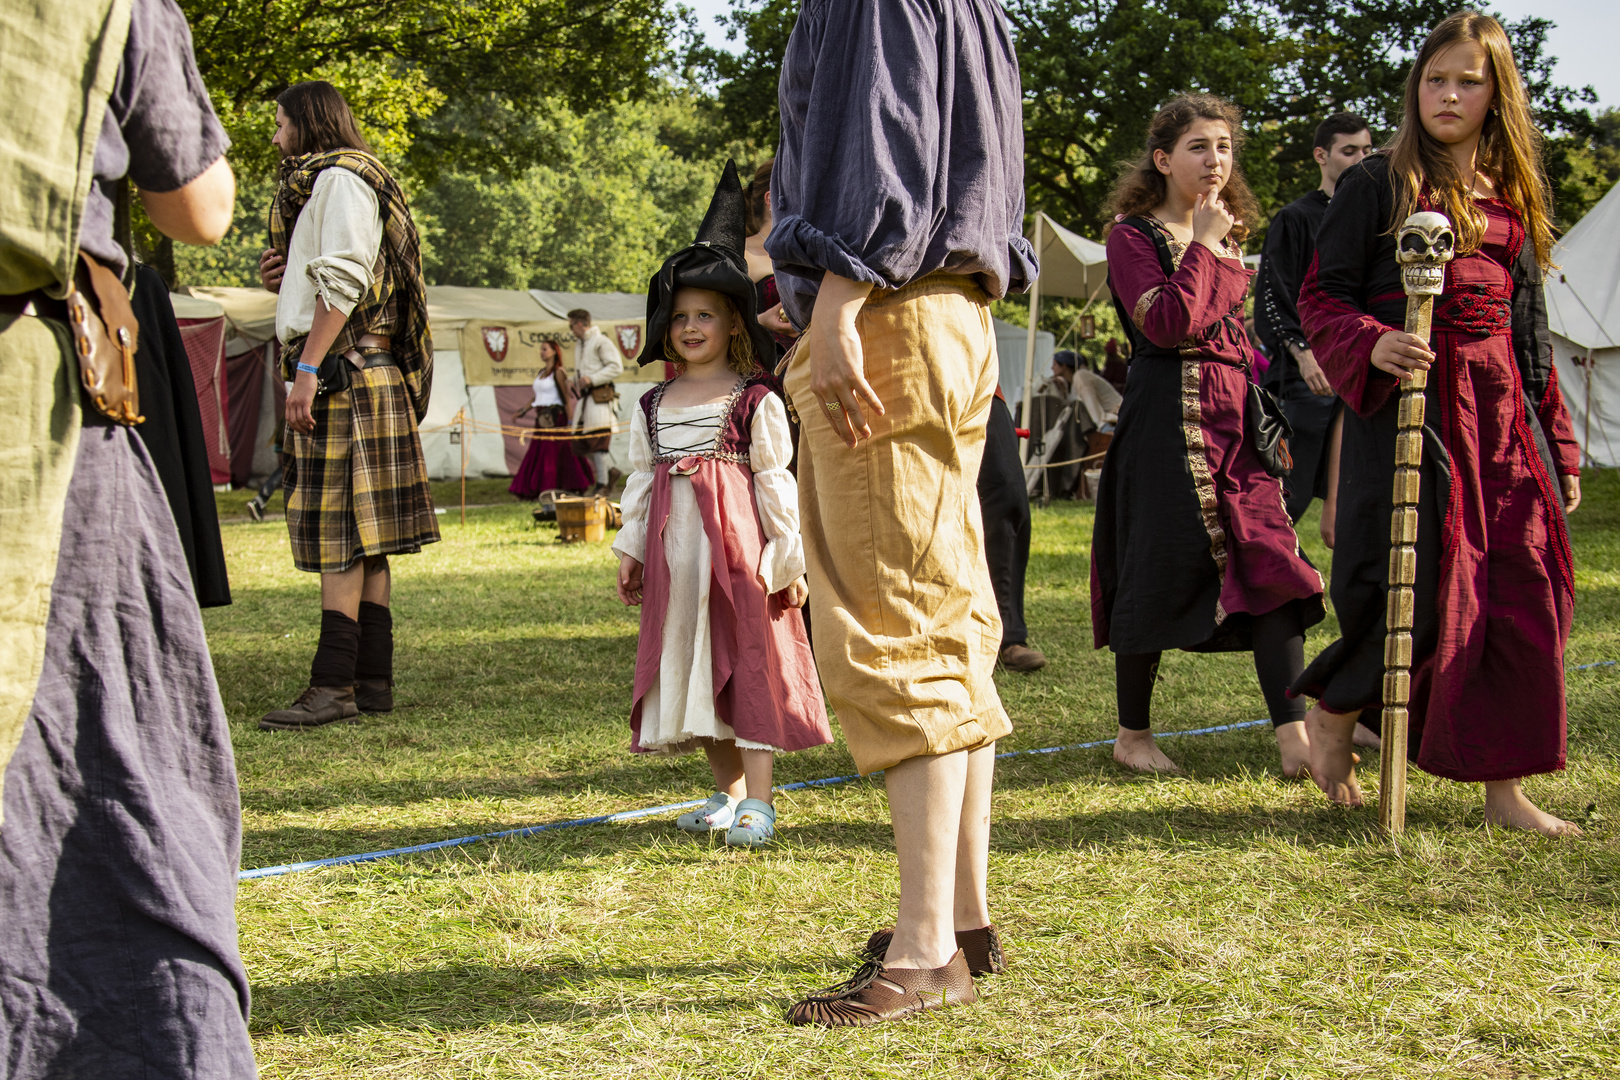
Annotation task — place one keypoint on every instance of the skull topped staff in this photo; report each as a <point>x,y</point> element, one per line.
<point>1424,244</point>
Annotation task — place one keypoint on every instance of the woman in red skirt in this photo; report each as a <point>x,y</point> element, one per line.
<point>550,463</point>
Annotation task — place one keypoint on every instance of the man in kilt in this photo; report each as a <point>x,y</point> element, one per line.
<point>352,319</point>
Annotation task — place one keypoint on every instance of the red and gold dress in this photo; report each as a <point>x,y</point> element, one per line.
<point>1192,537</point>
<point>1495,592</point>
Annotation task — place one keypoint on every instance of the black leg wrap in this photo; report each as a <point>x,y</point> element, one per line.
<point>376,658</point>
<point>335,655</point>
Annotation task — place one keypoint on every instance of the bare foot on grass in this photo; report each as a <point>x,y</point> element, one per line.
<point>1137,751</point>
<point>1366,738</point>
<point>1507,805</point>
<point>1295,747</point>
<point>1333,763</point>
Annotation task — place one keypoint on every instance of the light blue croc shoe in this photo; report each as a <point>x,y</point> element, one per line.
<point>755,827</point>
<point>716,815</point>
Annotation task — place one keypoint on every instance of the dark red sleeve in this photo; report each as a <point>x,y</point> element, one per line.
<point>1560,432</point>
<point>1169,310</point>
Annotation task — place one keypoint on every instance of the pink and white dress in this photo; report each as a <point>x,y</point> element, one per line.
<point>712,512</point>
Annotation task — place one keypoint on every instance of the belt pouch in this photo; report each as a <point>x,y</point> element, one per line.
<point>105,337</point>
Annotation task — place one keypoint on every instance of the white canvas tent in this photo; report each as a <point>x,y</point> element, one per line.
<point>458,319</point>
<point>1071,266</point>
<point>470,325</point>
<point>1583,313</point>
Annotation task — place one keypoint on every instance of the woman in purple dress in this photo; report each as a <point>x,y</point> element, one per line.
<point>550,464</point>
<point>1495,577</point>
<point>1193,546</point>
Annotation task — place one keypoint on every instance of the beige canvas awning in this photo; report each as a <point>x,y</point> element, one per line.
<point>1071,266</point>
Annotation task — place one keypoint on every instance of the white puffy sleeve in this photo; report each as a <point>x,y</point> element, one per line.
<point>633,504</point>
<point>776,495</point>
<point>351,237</point>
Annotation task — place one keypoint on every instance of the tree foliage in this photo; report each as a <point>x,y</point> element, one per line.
<point>1094,72</point>
<point>433,81</point>
<point>625,187</point>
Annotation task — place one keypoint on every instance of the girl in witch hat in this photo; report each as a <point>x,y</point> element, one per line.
<point>710,547</point>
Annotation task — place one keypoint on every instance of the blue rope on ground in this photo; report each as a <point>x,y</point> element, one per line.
<point>632,815</point>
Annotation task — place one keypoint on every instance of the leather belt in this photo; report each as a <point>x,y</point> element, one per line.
<point>371,341</point>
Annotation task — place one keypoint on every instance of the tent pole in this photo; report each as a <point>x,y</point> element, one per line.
<point>462,417</point>
<point>1029,341</point>
<point>1586,435</point>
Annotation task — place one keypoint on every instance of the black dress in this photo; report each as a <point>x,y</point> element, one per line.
<point>173,435</point>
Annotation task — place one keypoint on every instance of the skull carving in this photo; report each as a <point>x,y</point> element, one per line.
<point>1424,245</point>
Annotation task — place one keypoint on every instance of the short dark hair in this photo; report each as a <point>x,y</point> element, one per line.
<point>321,119</point>
<point>1340,123</point>
<point>1067,358</point>
<point>579,314</point>
<point>758,188</point>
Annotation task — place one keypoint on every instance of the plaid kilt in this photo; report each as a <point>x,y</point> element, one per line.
<point>358,485</point>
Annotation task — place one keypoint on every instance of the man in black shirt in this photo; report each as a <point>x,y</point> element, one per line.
<point>1294,376</point>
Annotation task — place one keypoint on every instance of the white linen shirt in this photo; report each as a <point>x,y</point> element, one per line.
<point>334,252</point>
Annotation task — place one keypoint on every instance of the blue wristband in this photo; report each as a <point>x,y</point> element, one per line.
<point>307,369</point>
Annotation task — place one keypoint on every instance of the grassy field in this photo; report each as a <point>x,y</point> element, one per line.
<point>1225,924</point>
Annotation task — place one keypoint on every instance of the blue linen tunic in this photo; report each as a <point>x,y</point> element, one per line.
<point>902,149</point>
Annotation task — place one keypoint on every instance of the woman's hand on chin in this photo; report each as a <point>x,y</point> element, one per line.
<point>1212,222</point>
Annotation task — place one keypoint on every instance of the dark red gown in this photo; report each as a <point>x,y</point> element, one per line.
<point>1192,536</point>
<point>1495,570</point>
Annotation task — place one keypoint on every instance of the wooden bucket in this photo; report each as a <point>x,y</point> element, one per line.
<point>582,519</point>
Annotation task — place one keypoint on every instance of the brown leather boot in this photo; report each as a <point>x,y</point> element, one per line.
<point>982,947</point>
<point>877,993</point>
<point>316,706</point>
<point>1021,657</point>
<point>374,695</point>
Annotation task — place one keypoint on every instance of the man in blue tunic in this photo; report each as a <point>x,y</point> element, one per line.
<point>898,193</point>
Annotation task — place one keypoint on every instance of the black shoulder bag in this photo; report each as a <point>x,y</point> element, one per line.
<point>1263,419</point>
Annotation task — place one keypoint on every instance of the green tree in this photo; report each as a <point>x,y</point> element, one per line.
<point>1593,167</point>
<point>434,84</point>
<point>625,187</point>
<point>400,61</point>
<point>747,80</point>
<point>1094,71</point>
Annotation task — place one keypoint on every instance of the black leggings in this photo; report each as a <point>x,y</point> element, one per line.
<point>1279,657</point>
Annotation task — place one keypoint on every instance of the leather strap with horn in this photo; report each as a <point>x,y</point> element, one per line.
<point>105,337</point>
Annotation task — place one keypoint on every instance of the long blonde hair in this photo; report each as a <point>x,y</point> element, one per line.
<point>1509,145</point>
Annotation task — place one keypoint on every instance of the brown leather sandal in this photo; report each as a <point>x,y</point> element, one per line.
<point>982,947</point>
<point>876,993</point>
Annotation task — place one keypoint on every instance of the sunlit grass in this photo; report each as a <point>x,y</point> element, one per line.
<point>1224,924</point>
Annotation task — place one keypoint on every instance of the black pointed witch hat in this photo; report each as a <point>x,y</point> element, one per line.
<point>715,262</point>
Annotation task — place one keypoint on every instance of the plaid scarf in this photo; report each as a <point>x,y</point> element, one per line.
<point>396,304</point>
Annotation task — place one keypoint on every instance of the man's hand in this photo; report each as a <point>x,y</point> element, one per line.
<point>1400,353</point>
<point>300,400</point>
<point>776,321</point>
<point>837,362</point>
<point>271,268</point>
<point>630,581</point>
<point>1572,493</point>
<point>796,594</point>
<point>1311,372</point>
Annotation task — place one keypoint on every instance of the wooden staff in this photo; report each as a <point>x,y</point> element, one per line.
<point>1426,243</point>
